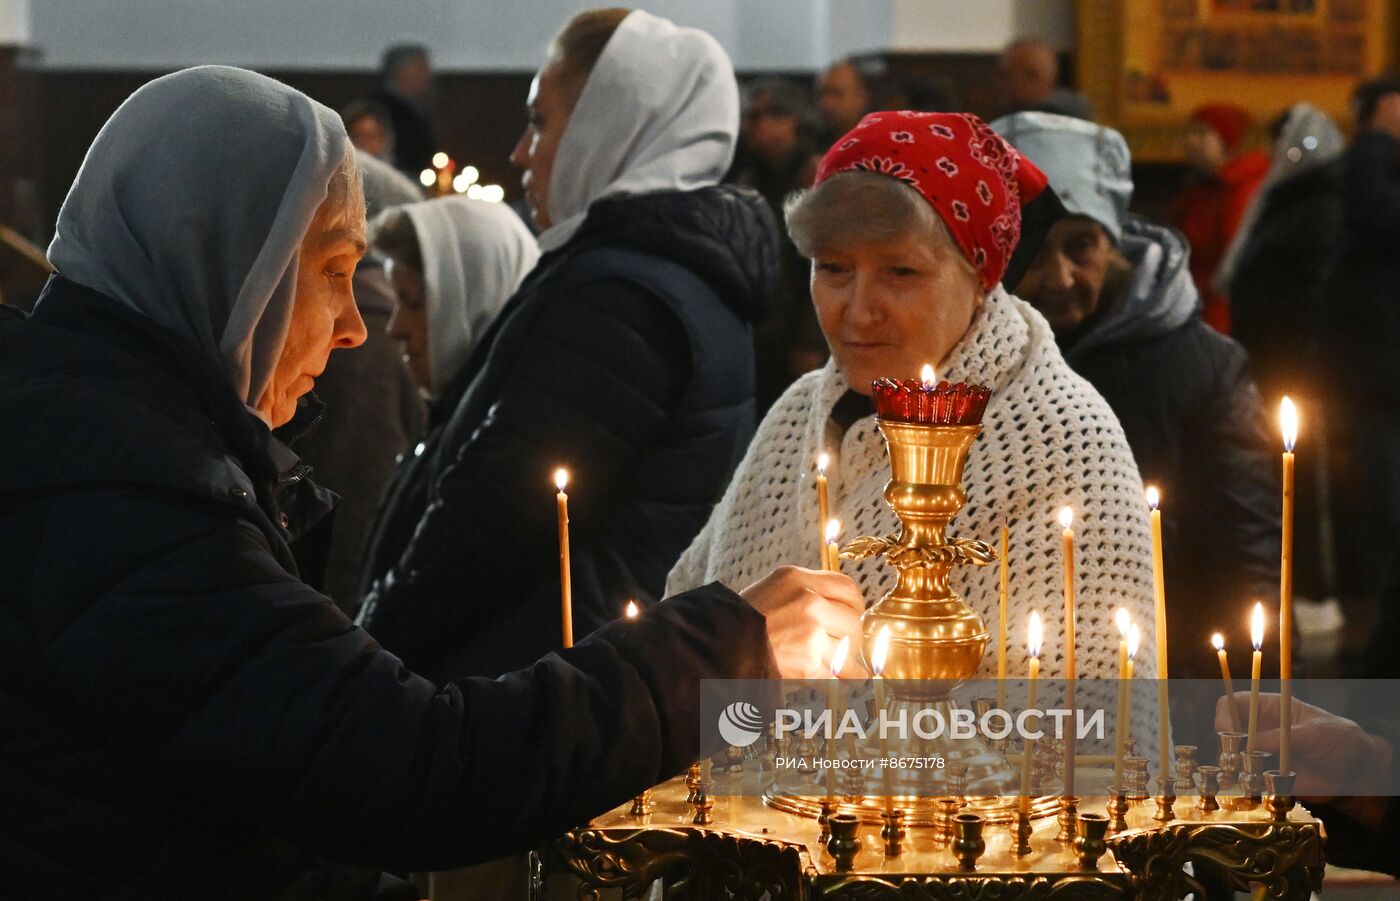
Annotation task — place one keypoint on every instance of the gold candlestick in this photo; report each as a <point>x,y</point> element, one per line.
<point>1159,609</point>
<point>1256,635</point>
<point>1066,522</point>
<point>1218,642</point>
<point>1003,598</point>
<point>823,510</point>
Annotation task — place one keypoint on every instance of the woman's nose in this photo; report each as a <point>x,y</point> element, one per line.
<point>867,300</point>
<point>520,154</point>
<point>350,328</point>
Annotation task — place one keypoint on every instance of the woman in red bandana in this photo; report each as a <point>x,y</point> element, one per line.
<point>910,227</point>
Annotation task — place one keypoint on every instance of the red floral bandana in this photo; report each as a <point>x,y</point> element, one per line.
<point>973,179</point>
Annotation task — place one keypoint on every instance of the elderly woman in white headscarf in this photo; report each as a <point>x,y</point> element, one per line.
<point>910,228</point>
<point>184,715</point>
<point>625,357</point>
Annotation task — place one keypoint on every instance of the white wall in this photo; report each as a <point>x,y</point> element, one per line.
<point>490,35</point>
<point>14,22</point>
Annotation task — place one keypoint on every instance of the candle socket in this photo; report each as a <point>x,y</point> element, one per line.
<point>1069,815</point>
<point>1185,770</point>
<point>1129,746</point>
<point>1229,761</point>
<point>1089,844</point>
<point>844,842</point>
<point>1252,781</point>
<point>704,804</point>
<point>641,805</point>
<point>948,807</point>
<point>968,843</point>
<point>1210,787</point>
<point>1135,770</point>
<point>692,783</point>
<point>824,820</point>
<point>892,833</point>
<point>1118,810</point>
<point>1021,834</point>
<point>1280,789</point>
<point>1166,797</point>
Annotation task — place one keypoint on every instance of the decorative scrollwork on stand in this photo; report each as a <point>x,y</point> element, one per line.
<point>1285,857</point>
<point>976,888</point>
<point>692,864</point>
<point>968,551</point>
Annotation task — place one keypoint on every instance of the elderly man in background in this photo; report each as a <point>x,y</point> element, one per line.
<point>1116,291</point>
<point>1030,76</point>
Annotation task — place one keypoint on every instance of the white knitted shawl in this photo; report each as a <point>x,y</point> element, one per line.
<point>1048,440</point>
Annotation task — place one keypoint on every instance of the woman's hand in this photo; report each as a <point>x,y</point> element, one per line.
<point>808,611</point>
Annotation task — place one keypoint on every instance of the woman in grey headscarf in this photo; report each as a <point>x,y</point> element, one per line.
<point>184,716</point>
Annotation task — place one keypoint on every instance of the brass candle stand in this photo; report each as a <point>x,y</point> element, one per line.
<point>968,837</point>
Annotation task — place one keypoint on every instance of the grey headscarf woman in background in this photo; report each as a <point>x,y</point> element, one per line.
<point>185,717</point>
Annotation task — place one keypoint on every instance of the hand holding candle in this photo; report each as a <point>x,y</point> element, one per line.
<point>1218,642</point>
<point>566,589</point>
<point>1256,636</point>
<point>1288,421</point>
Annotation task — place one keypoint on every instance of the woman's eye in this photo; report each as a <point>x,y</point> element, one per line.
<point>832,268</point>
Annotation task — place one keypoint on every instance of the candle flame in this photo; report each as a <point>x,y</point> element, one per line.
<point>1066,517</point>
<point>1123,621</point>
<point>561,478</point>
<point>1035,634</point>
<point>822,460</point>
<point>1154,497</point>
<point>838,657</point>
<point>929,376</point>
<point>632,610</point>
<point>1256,626</point>
<point>1288,423</point>
<point>833,530</point>
<point>880,651</point>
<point>1217,641</point>
<point>1134,640</point>
<point>440,160</point>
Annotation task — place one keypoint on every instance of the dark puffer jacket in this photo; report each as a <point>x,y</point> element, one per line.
<point>626,357</point>
<point>1196,424</point>
<point>185,718</point>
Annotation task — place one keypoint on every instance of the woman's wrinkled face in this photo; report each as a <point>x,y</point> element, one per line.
<point>324,315</point>
<point>889,307</point>
<point>409,323</point>
<point>1066,280</point>
<point>551,100</point>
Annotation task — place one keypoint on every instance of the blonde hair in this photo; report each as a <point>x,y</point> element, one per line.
<point>864,207</point>
<point>583,40</point>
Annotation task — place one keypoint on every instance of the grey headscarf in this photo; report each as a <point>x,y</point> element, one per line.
<point>191,205</point>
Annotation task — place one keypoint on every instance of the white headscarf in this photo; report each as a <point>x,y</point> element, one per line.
<point>191,206</point>
<point>475,254</point>
<point>660,111</point>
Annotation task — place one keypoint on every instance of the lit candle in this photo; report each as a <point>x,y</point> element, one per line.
<point>1288,420</point>
<point>631,611</point>
<point>1001,617</point>
<point>823,512</point>
<point>929,377</point>
<point>1218,642</point>
<point>833,550</point>
<point>1035,633</point>
<point>1159,607</point>
<point>878,655</point>
<point>833,702</point>
<point>1066,522</point>
<point>1123,621</point>
<point>1256,635</point>
<point>566,589</point>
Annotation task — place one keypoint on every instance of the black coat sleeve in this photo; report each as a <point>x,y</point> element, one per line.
<point>610,360</point>
<point>1370,188</point>
<point>203,662</point>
